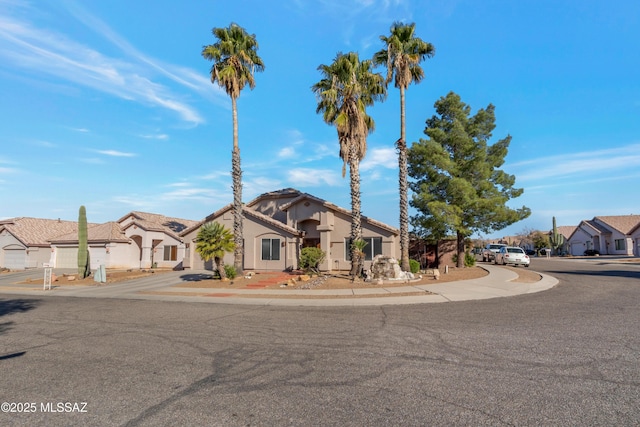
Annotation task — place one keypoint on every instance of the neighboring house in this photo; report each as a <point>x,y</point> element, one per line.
<point>24,242</point>
<point>107,244</point>
<point>609,235</point>
<point>137,240</point>
<point>277,225</point>
<point>156,239</point>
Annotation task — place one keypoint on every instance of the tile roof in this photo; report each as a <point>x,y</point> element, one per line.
<point>247,212</point>
<point>156,222</point>
<point>107,232</point>
<point>305,196</point>
<point>37,231</point>
<point>566,230</point>
<point>622,223</point>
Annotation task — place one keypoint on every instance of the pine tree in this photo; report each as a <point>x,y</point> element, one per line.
<point>458,185</point>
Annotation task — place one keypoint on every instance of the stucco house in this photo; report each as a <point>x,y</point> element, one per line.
<point>278,224</point>
<point>137,240</point>
<point>609,235</point>
<point>156,239</point>
<point>24,241</point>
<point>107,244</point>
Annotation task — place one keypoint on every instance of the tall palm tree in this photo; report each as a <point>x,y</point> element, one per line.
<point>348,86</point>
<point>213,242</point>
<point>402,55</point>
<point>235,60</point>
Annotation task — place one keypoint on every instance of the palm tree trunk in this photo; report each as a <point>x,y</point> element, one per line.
<point>220,266</point>
<point>404,188</point>
<point>236,173</point>
<point>356,215</point>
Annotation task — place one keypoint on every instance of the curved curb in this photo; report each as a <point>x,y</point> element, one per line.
<point>497,284</point>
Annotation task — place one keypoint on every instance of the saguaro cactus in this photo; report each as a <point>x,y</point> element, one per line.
<point>556,240</point>
<point>83,247</point>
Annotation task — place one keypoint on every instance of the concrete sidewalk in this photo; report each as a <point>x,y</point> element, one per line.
<point>498,283</point>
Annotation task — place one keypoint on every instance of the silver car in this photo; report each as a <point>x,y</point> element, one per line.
<point>512,255</point>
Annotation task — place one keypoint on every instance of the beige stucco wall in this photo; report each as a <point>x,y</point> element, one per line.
<point>254,231</point>
<point>151,249</point>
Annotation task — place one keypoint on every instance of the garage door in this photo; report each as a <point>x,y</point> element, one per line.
<point>67,258</point>
<point>15,259</point>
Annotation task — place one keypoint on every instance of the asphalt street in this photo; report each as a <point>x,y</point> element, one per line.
<point>565,356</point>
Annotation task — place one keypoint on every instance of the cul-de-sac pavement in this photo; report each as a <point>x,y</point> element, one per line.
<point>565,351</point>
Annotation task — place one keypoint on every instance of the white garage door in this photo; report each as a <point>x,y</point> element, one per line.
<point>15,259</point>
<point>67,258</point>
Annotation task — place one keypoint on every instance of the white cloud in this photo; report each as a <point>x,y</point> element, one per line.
<point>598,162</point>
<point>380,158</point>
<point>7,171</point>
<point>287,153</point>
<point>313,177</point>
<point>160,136</point>
<point>115,153</point>
<point>45,51</point>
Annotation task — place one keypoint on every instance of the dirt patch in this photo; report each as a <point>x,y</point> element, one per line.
<point>524,274</point>
<point>275,280</point>
<point>112,277</point>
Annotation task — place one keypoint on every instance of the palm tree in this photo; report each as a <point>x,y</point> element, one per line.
<point>213,242</point>
<point>402,55</point>
<point>235,60</point>
<point>347,87</point>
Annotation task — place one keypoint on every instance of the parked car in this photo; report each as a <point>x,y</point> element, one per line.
<point>512,255</point>
<point>591,252</point>
<point>530,252</point>
<point>489,252</point>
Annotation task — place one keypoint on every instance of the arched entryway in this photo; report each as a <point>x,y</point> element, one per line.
<point>138,247</point>
<point>311,234</point>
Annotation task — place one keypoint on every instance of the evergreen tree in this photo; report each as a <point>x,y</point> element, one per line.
<point>458,185</point>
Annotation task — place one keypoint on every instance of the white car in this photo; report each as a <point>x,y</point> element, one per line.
<point>512,255</point>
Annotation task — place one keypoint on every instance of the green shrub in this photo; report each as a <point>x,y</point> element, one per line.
<point>469,260</point>
<point>310,258</point>
<point>414,266</point>
<point>230,271</point>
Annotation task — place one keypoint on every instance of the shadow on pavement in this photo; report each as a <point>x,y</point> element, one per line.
<point>196,277</point>
<point>609,273</point>
<point>10,306</point>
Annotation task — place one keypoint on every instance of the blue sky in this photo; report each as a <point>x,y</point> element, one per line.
<point>108,104</point>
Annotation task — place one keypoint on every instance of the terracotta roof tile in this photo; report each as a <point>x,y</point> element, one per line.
<point>37,231</point>
<point>623,223</point>
<point>107,232</point>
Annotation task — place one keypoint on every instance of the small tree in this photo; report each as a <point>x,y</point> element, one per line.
<point>540,240</point>
<point>310,259</point>
<point>213,242</point>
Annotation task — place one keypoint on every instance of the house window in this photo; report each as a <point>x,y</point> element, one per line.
<point>270,249</point>
<point>620,246</point>
<point>171,253</point>
<point>371,249</point>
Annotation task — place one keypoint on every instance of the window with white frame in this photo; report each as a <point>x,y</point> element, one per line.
<point>371,249</point>
<point>170,253</point>
<point>620,244</point>
<point>270,249</point>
